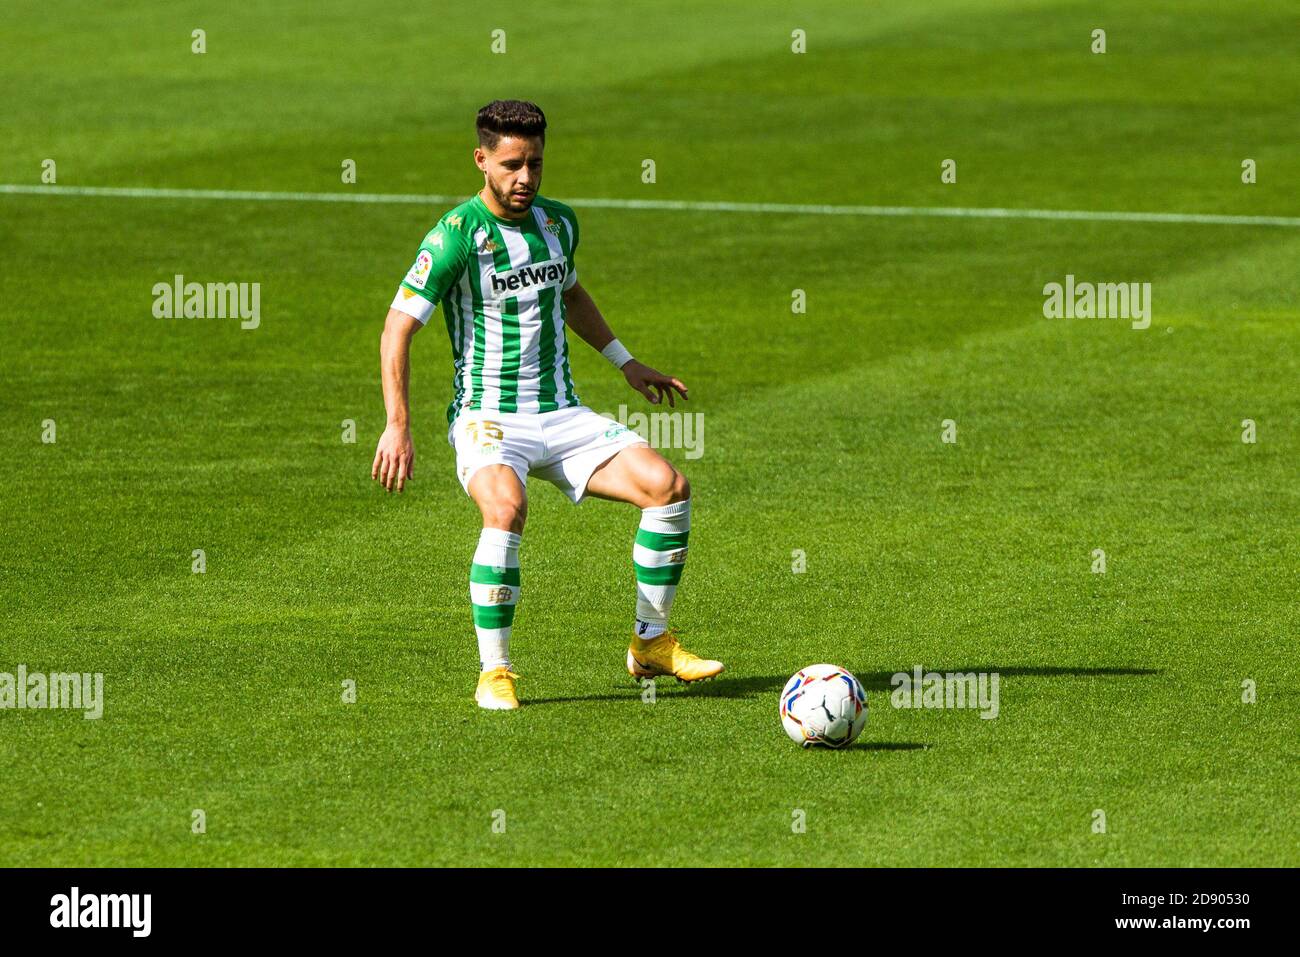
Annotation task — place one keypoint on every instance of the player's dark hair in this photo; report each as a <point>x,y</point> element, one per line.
<point>509,118</point>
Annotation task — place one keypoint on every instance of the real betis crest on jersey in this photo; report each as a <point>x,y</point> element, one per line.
<point>501,285</point>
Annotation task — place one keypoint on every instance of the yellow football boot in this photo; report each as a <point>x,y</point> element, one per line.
<point>496,689</point>
<point>664,655</point>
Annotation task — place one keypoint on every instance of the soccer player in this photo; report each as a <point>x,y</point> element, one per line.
<point>502,266</point>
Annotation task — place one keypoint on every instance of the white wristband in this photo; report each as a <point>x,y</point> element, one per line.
<point>616,354</point>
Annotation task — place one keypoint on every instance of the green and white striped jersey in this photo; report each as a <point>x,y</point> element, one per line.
<point>499,282</point>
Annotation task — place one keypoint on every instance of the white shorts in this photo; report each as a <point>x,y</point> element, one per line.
<point>563,447</point>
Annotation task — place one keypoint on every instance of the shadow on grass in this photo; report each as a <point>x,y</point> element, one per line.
<point>680,691</point>
<point>884,680</point>
<point>753,686</point>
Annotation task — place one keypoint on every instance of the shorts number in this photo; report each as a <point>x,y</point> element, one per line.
<point>491,432</point>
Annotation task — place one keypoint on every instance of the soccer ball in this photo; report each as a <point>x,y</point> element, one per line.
<point>823,705</point>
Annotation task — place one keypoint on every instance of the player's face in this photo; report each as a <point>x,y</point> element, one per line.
<point>512,171</point>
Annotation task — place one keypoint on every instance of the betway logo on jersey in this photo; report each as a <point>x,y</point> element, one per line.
<point>530,278</point>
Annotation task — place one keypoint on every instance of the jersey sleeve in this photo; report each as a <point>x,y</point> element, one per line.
<point>439,265</point>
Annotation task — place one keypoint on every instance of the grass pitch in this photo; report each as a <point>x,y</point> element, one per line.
<point>1119,692</point>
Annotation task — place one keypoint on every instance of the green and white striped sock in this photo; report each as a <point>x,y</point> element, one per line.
<point>494,590</point>
<point>658,557</point>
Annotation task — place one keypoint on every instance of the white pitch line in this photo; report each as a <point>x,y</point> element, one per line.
<point>241,195</point>
<point>799,209</point>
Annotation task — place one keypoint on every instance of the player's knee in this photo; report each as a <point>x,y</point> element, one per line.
<point>681,489</point>
<point>669,486</point>
<point>500,498</point>
<point>507,508</point>
<point>505,514</point>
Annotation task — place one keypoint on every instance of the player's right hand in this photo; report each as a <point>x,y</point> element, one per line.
<point>394,458</point>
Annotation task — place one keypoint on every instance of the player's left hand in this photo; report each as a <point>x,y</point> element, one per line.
<point>652,384</point>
